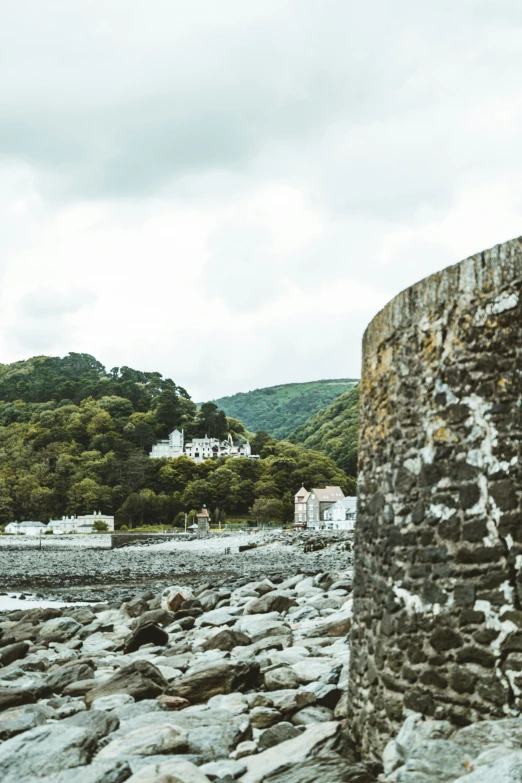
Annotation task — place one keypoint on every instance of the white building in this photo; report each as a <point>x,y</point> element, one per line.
<point>81,524</point>
<point>29,528</point>
<point>199,449</point>
<point>172,447</point>
<point>341,515</point>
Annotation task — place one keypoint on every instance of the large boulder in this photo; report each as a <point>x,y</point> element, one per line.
<point>45,750</point>
<point>140,679</point>
<point>15,697</point>
<point>13,652</point>
<point>71,672</point>
<point>506,769</point>
<point>210,678</point>
<point>58,629</point>
<point>282,757</point>
<point>148,633</point>
<point>172,597</point>
<point>225,639</point>
<point>275,601</point>
<point>19,719</point>
<point>149,741</point>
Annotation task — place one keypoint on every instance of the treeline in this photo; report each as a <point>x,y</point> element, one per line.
<point>89,449</point>
<point>334,431</point>
<point>279,410</point>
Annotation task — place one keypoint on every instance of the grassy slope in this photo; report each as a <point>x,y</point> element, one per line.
<point>279,410</point>
<point>334,431</point>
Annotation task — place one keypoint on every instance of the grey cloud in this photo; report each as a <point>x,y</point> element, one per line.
<point>54,304</point>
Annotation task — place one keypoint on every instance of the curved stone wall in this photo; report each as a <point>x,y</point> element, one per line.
<point>438,571</point>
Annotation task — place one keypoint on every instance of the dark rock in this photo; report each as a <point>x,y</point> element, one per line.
<point>150,633</point>
<point>226,640</point>
<point>276,734</point>
<point>15,697</point>
<point>13,652</point>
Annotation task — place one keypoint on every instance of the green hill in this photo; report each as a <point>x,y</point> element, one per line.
<point>75,437</point>
<point>334,431</point>
<point>280,410</point>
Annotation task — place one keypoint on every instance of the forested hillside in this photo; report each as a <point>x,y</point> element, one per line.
<point>334,431</point>
<point>75,437</point>
<point>279,410</point>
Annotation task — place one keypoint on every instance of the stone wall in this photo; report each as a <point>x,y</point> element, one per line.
<point>128,539</point>
<point>438,573</point>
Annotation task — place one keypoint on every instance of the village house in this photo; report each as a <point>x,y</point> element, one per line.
<point>80,524</point>
<point>199,449</point>
<point>341,515</point>
<point>29,528</point>
<point>310,506</point>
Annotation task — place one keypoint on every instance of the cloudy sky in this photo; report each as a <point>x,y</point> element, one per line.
<point>227,191</point>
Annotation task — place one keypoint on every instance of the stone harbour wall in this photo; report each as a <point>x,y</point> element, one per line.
<point>438,564</point>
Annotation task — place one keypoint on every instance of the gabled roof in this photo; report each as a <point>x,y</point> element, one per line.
<point>328,494</point>
<point>31,524</point>
<point>303,493</point>
<point>203,513</point>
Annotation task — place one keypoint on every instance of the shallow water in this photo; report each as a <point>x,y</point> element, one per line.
<point>13,601</point>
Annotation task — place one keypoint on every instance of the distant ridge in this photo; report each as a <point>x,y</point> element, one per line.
<point>280,410</point>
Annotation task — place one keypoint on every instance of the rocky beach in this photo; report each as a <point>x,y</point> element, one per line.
<point>235,670</point>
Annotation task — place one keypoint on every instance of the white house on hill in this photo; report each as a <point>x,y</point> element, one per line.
<point>172,447</point>
<point>199,449</point>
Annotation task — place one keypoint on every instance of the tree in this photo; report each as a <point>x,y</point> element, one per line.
<point>99,526</point>
<point>211,421</point>
<point>167,412</point>
<point>267,510</point>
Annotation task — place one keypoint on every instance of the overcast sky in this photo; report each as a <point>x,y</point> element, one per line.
<point>227,191</point>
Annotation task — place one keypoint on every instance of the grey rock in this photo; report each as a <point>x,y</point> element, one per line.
<point>312,714</point>
<point>208,679</point>
<point>140,679</point>
<point>19,719</point>
<point>507,769</point>
<point>274,601</point>
<point>222,768</point>
<point>276,734</point>
<point>281,678</point>
<point>215,741</point>
<point>263,717</point>
<point>113,701</point>
<point>147,741</point>
<point>99,772</point>
<point>137,709</point>
<point>294,751</point>
<point>326,768</point>
<point>289,700</point>
<point>45,750</point>
<point>478,737</point>
<point>99,722</point>
<point>156,616</point>
<point>58,629</point>
<point>169,771</point>
<point>434,761</point>
<point>64,675</point>
<point>226,639</point>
